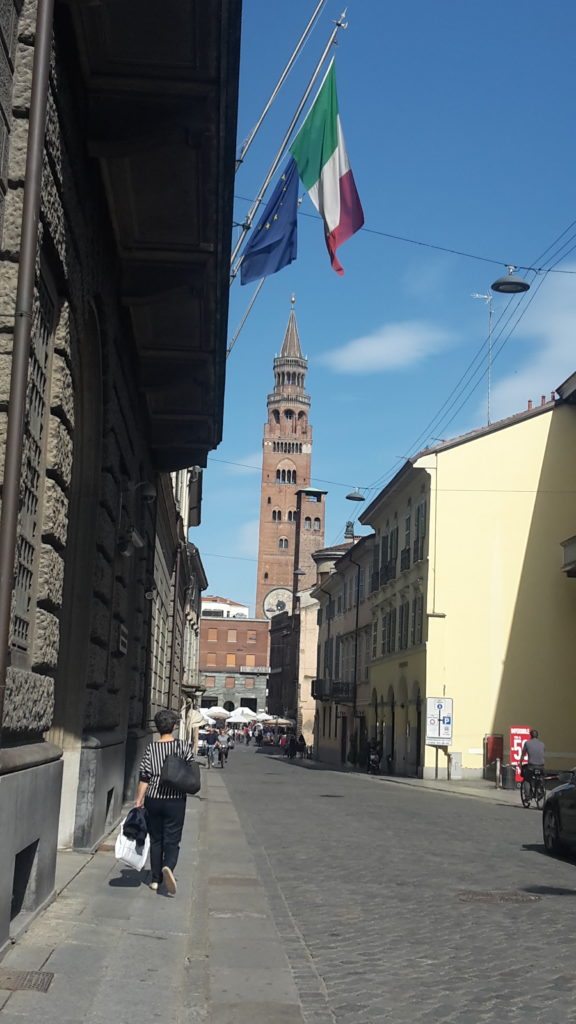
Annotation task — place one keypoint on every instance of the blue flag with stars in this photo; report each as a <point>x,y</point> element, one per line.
<point>274,240</point>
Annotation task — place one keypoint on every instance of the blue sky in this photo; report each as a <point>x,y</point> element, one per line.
<point>459,123</point>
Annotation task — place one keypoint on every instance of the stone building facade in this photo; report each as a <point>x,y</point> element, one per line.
<point>128,331</point>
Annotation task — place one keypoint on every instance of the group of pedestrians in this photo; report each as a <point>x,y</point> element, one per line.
<point>292,746</point>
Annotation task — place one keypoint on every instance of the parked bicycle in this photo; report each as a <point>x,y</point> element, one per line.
<point>532,787</point>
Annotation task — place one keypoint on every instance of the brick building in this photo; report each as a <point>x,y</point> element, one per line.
<point>286,469</point>
<point>234,662</point>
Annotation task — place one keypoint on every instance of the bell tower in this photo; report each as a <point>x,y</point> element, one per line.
<point>286,467</point>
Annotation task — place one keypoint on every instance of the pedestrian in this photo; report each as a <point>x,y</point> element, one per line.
<point>292,746</point>
<point>301,745</point>
<point>282,744</point>
<point>165,806</point>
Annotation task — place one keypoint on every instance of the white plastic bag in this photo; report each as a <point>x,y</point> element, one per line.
<point>129,851</point>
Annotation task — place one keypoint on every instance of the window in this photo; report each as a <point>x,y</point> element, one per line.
<point>209,681</point>
<point>384,634</point>
<point>288,414</point>
<point>229,682</point>
<point>337,653</point>
<point>232,634</point>
<point>307,523</point>
<point>249,683</point>
<point>403,625</point>
<point>212,636</point>
<point>339,604</point>
<point>291,516</point>
<point>391,631</point>
<point>361,585</point>
<point>265,575</point>
<point>283,543</point>
<point>251,636</point>
<point>407,530</point>
<point>211,660</point>
<point>417,619</point>
<point>375,639</point>
<point>420,531</point>
<point>276,515</point>
<point>317,523</point>
<point>250,660</point>
<point>230,659</point>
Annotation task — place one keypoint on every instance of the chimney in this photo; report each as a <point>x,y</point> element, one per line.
<point>552,396</point>
<point>529,404</point>
<point>542,399</point>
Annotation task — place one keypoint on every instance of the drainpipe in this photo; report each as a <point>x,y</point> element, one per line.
<point>175,617</point>
<point>23,328</point>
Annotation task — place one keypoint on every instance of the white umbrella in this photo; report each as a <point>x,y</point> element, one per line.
<point>236,719</point>
<point>195,717</point>
<point>206,717</point>
<point>218,712</point>
<point>263,717</point>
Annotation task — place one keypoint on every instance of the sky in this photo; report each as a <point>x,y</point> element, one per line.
<point>459,125</point>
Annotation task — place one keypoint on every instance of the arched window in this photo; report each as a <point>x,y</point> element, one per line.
<point>294,477</point>
<point>265,575</point>
<point>317,523</point>
<point>275,415</point>
<point>276,515</point>
<point>288,414</point>
<point>284,476</point>
<point>278,476</point>
<point>307,523</point>
<point>269,501</point>
<point>283,543</point>
<point>291,515</point>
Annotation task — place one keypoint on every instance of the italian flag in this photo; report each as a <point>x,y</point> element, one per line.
<point>324,168</point>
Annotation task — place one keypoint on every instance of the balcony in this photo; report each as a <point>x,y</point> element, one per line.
<point>405,559</point>
<point>341,691</point>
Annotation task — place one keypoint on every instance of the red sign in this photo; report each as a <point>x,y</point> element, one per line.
<point>518,734</point>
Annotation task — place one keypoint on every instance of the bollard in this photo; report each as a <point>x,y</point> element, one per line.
<point>498,773</point>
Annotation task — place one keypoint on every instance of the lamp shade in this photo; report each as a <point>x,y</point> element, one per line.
<point>510,284</point>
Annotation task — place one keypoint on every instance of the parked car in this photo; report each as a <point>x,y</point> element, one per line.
<point>559,817</point>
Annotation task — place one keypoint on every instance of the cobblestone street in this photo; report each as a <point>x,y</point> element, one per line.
<point>311,896</point>
<point>368,882</point>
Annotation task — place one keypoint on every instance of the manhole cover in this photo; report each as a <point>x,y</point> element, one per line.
<point>16,981</point>
<point>495,896</point>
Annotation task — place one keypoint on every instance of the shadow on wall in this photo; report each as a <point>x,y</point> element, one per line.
<point>537,685</point>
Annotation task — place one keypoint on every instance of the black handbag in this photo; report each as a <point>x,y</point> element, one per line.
<point>182,775</point>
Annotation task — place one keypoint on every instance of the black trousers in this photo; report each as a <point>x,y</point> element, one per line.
<point>165,823</point>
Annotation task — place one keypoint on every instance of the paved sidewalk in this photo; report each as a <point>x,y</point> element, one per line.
<point>119,952</point>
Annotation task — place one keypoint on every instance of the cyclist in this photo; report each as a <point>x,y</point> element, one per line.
<point>211,747</point>
<point>534,750</point>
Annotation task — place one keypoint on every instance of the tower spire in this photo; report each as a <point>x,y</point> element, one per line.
<point>291,344</point>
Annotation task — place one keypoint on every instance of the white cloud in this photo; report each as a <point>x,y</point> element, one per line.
<point>391,347</point>
<point>550,326</point>
<point>246,464</point>
<point>246,543</point>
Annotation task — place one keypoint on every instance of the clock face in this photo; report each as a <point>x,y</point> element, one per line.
<point>276,601</point>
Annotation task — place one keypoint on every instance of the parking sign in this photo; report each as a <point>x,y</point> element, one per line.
<point>439,721</point>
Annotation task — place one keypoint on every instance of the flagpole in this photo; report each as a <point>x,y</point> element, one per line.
<point>280,83</point>
<point>340,23</point>
<point>234,338</point>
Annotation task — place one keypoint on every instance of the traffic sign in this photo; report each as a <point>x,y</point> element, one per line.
<point>439,721</point>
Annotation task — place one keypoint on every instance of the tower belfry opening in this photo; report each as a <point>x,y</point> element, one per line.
<point>286,468</point>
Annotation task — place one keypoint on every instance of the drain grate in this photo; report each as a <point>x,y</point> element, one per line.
<point>331,796</point>
<point>497,896</point>
<point>18,981</point>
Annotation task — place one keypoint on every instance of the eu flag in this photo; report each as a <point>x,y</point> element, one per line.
<point>274,240</point>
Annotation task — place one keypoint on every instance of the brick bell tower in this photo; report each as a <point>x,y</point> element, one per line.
<point>286,467</point>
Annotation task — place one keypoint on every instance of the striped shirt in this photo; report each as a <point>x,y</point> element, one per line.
<point>156,754</point>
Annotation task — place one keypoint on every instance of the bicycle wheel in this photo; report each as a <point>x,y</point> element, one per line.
<point>525,792</point>
<point>539,794</point>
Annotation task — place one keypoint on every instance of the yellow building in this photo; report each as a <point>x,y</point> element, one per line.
<point>469,600</point>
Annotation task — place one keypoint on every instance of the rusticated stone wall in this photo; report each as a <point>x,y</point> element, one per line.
<point>77,286</point>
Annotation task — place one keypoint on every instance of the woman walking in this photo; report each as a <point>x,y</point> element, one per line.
<point>165,806</point>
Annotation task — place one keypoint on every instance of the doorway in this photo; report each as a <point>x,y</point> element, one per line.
<point>343,739</point>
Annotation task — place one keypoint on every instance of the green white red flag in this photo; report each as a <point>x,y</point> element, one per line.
<point>324,169</point>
